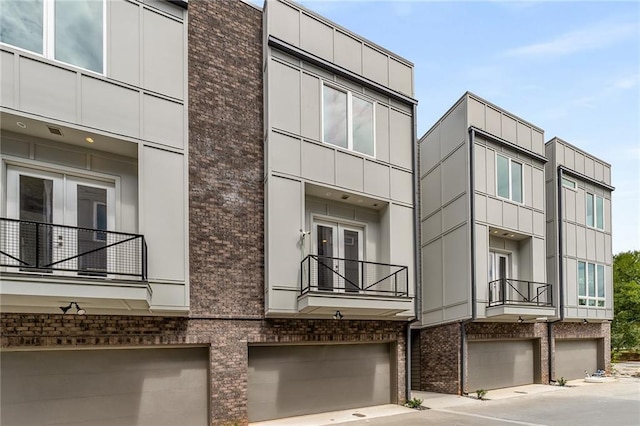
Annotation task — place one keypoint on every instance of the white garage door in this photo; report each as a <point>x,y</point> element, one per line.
<point>500,364</point>
<point>573,357</point>
<point>105,387</point>
<point>287,381</point>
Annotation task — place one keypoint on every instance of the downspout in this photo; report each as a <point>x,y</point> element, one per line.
<point>472,137</point>
<point>472,232</point>
<point>417,299</point>
<point>560,275</point>
<point>560,253</point>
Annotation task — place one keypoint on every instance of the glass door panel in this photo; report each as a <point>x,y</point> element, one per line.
<point>33,197</point>
<point>340,250</point>
<point>52,209</point>
<point>350,246</point>
<point>92,213</point>
<point>90,206</point>
<point>36,207</point>
<point>498,274</point>
<point>326,249</point>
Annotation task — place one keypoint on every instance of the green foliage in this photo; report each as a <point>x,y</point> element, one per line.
<point>561,381</point>
<point>413,403</point>
<point>481,393</point>
<point>625,329</point>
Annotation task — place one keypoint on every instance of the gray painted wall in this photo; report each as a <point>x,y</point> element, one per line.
<point>137,109</point>
<point>304,175</point>
<point>302,28</point>
<point>495,216</point>
<point>579,241</point>
<point>446,215</point>
<point>132,99</point>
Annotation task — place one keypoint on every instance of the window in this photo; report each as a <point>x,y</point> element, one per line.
<point>70,31</point>
<point>595,211</point>
<point>591,284</point>
<point>347,121</point>
<point>568,183</point>
<point>509,179</point>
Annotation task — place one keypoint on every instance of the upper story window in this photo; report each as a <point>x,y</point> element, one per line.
<point>595,211</point>
<point>590,284</point>
<point>509,178</point>
<point>347,121</point>
<point>568,183</point>
<point>70,31</point>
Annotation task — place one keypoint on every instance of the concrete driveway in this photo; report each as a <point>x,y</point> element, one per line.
<point>616,402</point>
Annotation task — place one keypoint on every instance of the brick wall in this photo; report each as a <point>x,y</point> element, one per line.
<point>440,359</point>
<point>226,160</point>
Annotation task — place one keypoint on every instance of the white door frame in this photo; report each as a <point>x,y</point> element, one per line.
<point>64,206</point>
<point>494,272</point>
<point>338,228</point>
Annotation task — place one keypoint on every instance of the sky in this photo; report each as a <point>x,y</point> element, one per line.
<point>571,68</point>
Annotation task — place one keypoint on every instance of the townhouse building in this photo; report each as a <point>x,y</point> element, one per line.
<point>207,213</point>
<point>579,258</point>
<point>505,301</point>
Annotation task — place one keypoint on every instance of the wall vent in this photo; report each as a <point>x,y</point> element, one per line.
<point>55,130</point>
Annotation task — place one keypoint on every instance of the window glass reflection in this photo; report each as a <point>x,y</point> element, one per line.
<point>335,116</point>
<point>78,33</point>
<point>503,176</point>
<point>362,126</point>
<point>21,24</point>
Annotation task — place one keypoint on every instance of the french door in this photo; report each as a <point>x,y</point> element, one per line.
<point>62,220</point>
<point>340,249</point>
<point>499,270</point>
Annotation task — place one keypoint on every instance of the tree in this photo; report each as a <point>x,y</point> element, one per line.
<point>625,328</point>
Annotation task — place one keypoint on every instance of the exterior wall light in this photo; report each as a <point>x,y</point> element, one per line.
<point>338,316</point>
<point>79,310</point>
<point>520,320</point>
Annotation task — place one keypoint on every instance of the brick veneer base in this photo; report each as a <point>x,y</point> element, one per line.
<point>228,341</point>
<point>441,351</point>
<point>440,359</point>
<point>440,348</point>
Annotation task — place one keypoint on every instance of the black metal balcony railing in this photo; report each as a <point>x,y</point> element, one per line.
<point>43,247</point>
<point>332,274</point>
<point>508,291</point>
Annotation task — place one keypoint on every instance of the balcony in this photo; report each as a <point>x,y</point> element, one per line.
<point>81,262</point>
<point>510,297</point>
<point>354,287</point>
<point>47,248</point>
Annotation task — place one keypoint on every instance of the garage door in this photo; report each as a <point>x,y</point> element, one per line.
<point>573,357</point>
<point>105,387</point>
<point>500,364</point>
<point>287,381</point>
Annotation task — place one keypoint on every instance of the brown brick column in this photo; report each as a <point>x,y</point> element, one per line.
<point>440,359</point>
